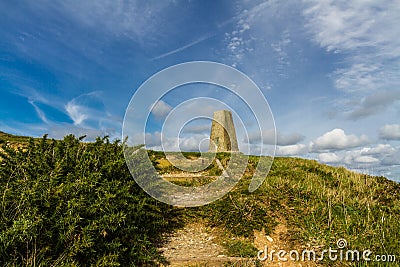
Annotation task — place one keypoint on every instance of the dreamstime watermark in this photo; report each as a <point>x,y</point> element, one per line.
<point>148,102</point>
<point>340,253</point>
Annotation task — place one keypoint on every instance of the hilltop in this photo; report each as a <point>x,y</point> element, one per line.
<point>68,203</point>
<point>13,138</point>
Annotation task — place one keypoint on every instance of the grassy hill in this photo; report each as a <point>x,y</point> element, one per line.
<point>4,137</point>
<point>67,203</point>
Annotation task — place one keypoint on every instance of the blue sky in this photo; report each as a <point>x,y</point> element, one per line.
<point>329,69</point>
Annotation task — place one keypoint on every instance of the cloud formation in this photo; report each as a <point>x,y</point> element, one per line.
<point>363,31</point>
<point>329,158</point>
<point>160,109</point>
<point>375,103</point>
<point>390,132</point>
<point>380,159</point>
<point>76,112</point>
<point>292,150</point>
<point>268,137</point>
<point>338,140</point>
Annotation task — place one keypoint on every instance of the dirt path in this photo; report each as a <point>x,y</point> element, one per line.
<point>196,245</point>
<point>199,245</point>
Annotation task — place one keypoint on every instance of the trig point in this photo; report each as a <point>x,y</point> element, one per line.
<point>223,135</point>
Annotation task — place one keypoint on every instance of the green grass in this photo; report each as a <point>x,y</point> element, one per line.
<point>4,137</point>
<point>317,203</point>
<point>239,248</point>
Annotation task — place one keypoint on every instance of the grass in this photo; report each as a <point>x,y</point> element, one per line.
<point>317,203</point>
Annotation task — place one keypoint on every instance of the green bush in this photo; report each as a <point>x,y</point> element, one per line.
<point>241,248</point>
<point>68,203</point>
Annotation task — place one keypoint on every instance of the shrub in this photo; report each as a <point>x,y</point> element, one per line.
<point>71,203</point>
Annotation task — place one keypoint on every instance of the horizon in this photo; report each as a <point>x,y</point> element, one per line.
<point>329,71</point>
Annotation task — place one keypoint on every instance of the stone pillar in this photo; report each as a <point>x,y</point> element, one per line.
<point>223,134</point>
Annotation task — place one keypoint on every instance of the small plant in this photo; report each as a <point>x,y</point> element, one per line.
<point>240,248</point>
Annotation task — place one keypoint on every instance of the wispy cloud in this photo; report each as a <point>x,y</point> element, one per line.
<point>39,112</point>
<point>133,19</point>
<point>76,112</point>
<point>184,47</point>
<point>363,32</point>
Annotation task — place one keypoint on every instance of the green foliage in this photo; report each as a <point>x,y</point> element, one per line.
<point>241,248</point>
<point>68,203</point>
<point>321,204</point>
<point>71,203</point>
<point>13,139</point>
<point>318,204</point>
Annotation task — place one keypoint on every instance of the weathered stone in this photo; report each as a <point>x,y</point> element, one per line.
<point>223,134</point>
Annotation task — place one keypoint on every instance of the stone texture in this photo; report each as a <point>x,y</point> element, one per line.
<point>223,134</point>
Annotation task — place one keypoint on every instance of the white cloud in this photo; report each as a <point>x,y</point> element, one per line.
<point>280,48</point>
<point>194,143</point>
<point>158,141</point>
<point>359,76</point>
<point>299,149</point>
<point>390,132</point>
<point>184,47</point>
<point>365,159</point>
<point>89,116</point>
<point>377,160</point>
<point>329,158</point>
<point>338,140</point>
<point>76,112</point>
<point>380,149</point>
<point>197,129</point>
<point>281,139</point>
<point>135,19</point>
<point>262,37</point>
<point>364,32</point>
<point>290,139</point>
<point>392,160</point>
<point>353,159</point>
<point>375,103</point>
<point>160,109</point>
<point>39,112</point>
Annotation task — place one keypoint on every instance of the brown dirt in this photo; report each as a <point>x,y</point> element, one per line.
<point>278,241</point>
<point>199,245</point>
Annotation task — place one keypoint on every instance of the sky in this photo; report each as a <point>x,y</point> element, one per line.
<point>330,71</point>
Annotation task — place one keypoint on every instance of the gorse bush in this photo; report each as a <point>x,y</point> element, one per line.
<point>68,203</point>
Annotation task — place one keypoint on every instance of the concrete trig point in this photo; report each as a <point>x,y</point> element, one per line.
<point>223,135</point>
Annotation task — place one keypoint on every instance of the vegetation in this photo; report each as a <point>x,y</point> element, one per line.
<point>14,140</point>
<point>68,203</point>
<point>318,204</point>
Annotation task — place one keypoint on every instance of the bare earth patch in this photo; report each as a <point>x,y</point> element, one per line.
<point>277,241</point>
<point>196,245</point>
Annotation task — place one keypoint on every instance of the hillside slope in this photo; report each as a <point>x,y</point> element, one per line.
<point>68,203</point>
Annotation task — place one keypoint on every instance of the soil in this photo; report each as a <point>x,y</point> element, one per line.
<point>199,245</point>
